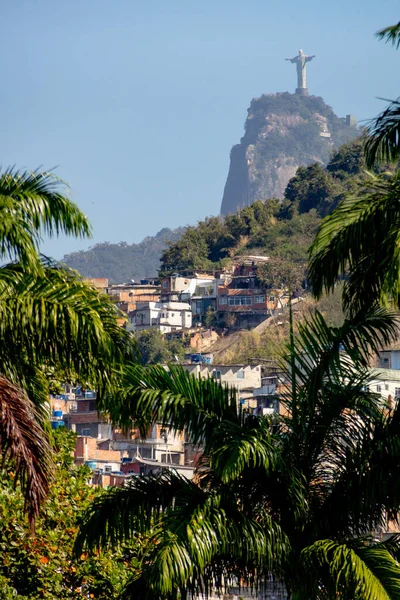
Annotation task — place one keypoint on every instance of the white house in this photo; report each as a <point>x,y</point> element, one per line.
<point>166,316</point>
<point>243,377</point>
<point>386,382</point>
<point>389,358</point>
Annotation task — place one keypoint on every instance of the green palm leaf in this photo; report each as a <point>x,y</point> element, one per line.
<point>239,446</point>
<point>55,318</point>
<point>383,136</point>
<point>360,240</point>
<point>390,34</point>
<point>353,571</point>
<point>190,528</point>
<point>174,398</point>
<point>32,204</point>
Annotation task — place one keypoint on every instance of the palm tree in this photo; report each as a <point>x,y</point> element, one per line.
<point>383,142</point>
<point>294,498</point>
<point>49,319</point>
<point>360,240</point>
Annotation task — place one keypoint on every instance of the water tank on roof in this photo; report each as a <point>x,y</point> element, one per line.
<point>92,464</point>
<point>57,424</point>
<point>57,414</point>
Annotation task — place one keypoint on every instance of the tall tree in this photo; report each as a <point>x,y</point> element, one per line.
<point>360,241</point>
<point>49,319</point>
<point>294,497</point>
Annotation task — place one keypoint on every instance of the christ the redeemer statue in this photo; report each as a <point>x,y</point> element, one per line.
<point>301,59</point>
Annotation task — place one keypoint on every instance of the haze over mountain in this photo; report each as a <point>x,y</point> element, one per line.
<point>123,262</point>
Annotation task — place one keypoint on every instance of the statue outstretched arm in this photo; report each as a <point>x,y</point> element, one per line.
<point>292,59</point>
<point>308,58</point>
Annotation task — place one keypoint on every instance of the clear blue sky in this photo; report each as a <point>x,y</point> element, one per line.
<point>139,102</point>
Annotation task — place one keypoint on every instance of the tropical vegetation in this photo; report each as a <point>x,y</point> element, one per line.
<point>50,321</point>
<point>360,239</point>
<point>301,497</point>
<point>304,497</point>
<point>266,227</point>
<point>41,565</point>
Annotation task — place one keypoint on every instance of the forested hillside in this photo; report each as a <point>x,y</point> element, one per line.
<point>123,262</point>
<point>283,230</point>
<point>273,228</point>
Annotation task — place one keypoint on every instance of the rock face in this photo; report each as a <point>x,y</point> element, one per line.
<point>282,132</point>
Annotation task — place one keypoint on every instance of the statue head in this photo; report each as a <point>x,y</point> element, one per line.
<point>301,52</point>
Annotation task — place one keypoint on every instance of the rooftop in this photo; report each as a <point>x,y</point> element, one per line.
<point>385,374</point>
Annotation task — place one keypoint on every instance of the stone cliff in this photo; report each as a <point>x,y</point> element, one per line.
<point>282,132</point>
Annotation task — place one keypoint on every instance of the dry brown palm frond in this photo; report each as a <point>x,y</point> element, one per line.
<point>24,445</point>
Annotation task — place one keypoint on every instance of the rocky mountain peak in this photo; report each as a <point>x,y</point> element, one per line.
<point>282,132</point>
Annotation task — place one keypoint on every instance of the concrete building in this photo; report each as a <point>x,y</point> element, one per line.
<point>100,283</point>
<point>161,449</point>
<point>389,358</point>
<point>127,296</point>
<point>167,316</point>
<point>243,377</point>
<point>180,289</point>
<point>85,420</point>
<point>97,454</point>
<point>386,382</point>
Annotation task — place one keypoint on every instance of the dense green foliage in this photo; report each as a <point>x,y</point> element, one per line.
<point>282,230</point>
<point>297,496</point>
<point>360,240</point>
<point>49,320</point>
<point>41,564</point>
<point>155,348</point>
<point>267,227</point>
<point>123,262</point>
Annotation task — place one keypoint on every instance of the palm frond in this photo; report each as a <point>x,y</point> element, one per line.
<point>353,571</point>
<point>32,204</point>
<point>390,34</point>
<point>56,318</point>
<point>190,529</point>
<point>237,447</point>
<point>382,144</point>
<point>175,398</point>
<point>24,445</point>
<point>331,440</point>
<point>360,239</point>
<point>356,489</point>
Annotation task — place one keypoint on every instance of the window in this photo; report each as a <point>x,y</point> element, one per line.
<point>272,298</point>
<point>222,300</point>
<point>107,469</point>
<point>378,388</point>
<point>172,314</point>
<point>397,392</point>
<point>216,374</point>
<point>240,374</point>
<point>259,299</point>
<point>385,360</point>
<point>239,300</point>
<point>165,284</point>
<point>85,432</point>
<point>386,386</point>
